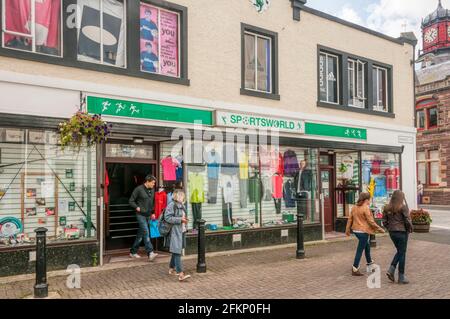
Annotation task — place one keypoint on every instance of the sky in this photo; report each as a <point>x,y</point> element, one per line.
<point>390,17</point>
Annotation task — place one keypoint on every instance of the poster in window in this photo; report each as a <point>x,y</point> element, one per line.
<point>322,78</point>
<point>17,19</point>
<point>250,60</point>
<point>90,33</point>
<point>169,43</point>
<point>36,137</point>
<point>14,136</point>
<point>263,65</point>
<point>149,41</point>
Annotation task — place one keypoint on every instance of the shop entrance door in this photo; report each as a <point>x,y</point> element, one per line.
<point>327,191</point>
<point>120,219</point>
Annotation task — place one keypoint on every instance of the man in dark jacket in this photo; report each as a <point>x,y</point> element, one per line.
<point>143,201</point>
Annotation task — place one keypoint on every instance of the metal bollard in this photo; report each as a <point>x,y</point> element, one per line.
<point>300,240</point>
<point>201,263</point>
<point>41,286</point>
<point>373,238</point>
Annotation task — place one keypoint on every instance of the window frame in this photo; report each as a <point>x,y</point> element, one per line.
<point>428,162</point>
<point>273,36</point>
<point>431,103</point>
<point>377,99</point>
<point>70,45</point>
<point>32,36</point>
<point>338,77</point>
<point>355,71</point>
<point>429,117</point>
<point>433,161</point>
<point>344,104</point>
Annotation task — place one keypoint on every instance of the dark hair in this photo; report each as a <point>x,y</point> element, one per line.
<point>149,178</point>
<point>362,198</point>
<point>396,203</point>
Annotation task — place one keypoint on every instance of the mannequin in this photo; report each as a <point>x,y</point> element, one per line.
<point>303,186</point>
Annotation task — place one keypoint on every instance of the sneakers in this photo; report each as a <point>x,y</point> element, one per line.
<point>402,280</point>
<point>136,256</point>
<point>391,273</point>
<point>152,256</point>
<point>183,277</point>
<point>173,272</point>
<point>356,272</point>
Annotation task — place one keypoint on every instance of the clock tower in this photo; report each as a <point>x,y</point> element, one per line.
<point>436,33</point>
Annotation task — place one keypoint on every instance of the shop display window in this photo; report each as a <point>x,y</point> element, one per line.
<point>44,186</point>
<point>380,177</point>
<point>159,40</point>
<point>101,32</point>
<point>39,32</point>
<point>347,182</point>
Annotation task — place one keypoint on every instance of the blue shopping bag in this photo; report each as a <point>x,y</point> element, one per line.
<point>154,232</point>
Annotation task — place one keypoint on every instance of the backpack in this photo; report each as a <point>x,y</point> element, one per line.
<point>163,226</point>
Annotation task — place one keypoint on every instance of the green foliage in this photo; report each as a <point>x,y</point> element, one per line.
<point>83,130</point>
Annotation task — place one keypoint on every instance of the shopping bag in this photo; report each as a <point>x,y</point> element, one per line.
<point>154,231</point>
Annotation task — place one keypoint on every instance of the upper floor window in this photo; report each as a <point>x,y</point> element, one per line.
<point>259,62</point>
<point>32,25</point>
<point>159,40</point>
<point>428,167</point>
<point>432,117</point>
<point>380,92</point>
<point>329,78</point>
<point>421,119</point>
<point>427,114</point>
<point>101,32</point>
<point>356,83</point>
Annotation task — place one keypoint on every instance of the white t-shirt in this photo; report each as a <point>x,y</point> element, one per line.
<point>226,183</point>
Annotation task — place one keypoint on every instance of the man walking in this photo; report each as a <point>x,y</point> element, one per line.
<point>143,201</point>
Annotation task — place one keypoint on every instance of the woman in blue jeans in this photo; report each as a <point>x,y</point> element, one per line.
<point>362,224</point>
<point>397,221</point>
<point>175,214</point>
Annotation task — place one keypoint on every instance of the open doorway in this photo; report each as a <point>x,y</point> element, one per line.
<point>120,219</point>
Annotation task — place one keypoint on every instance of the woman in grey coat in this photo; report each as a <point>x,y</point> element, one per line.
<point>175,214</point>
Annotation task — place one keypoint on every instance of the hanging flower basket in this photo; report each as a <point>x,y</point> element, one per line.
<point>83,130</point>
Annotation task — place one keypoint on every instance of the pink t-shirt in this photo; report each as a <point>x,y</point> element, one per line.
<point>277,184</point>
<point>169,165</point>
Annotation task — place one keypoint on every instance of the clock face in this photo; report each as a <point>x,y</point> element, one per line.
<point>431,35</point>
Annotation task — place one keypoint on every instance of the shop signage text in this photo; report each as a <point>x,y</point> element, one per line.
<point>147,111</point>
<point>336,131</point>
<point>259,122</point>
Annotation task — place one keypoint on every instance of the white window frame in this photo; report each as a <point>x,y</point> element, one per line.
<point>159,40</point>
<point>378,105</point>
<point>102,62</point>
<point>32,34</point>
<point>354,74</point>
<point>326,77</point>
<point>434,161</point>
<point>256,36</point>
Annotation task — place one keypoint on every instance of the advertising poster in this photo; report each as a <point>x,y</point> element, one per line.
<point>169,43</point>
<point>149,35</point>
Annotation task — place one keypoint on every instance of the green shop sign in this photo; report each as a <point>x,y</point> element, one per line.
<point>247,121</point>
<point>147,111</point>
<point>336,131</point>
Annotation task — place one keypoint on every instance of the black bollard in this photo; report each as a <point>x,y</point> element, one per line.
<point>201,264</point>
<point>373,238</point>
<point>300,240</point>
<point>41,286</point>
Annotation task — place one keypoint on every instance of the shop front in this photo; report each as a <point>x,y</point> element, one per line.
<point>248,188</point>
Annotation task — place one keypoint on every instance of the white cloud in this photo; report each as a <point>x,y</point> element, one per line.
<point>350,14</point>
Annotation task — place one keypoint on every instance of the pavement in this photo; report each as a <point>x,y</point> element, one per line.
<point>441,218</point>
<point>272,273</point>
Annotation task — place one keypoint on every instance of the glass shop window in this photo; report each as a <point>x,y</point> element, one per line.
<point>347,182</point>
<point>33,26</point>
<point>102,32</point>
<point>43,186</point>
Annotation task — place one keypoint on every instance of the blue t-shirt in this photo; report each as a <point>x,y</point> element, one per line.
<point>380,188</point>
<point>146,29</point>
<point>213,163</point>
<point>147,60</point>
<point>366,169</point>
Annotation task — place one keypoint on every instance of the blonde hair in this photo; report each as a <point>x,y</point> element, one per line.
<point>179,196</point>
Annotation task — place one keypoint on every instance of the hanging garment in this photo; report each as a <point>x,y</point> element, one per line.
<point>392,177</point>
<point>380,187</point>
<point>376,167</point>
<point>196,186</point>
<point>366,170</point>
<point>291,166</point>
<point>113,32</point>
<point>276,163</point>
<point>277,205</point>
<point>196,214</point>
<point>243,192</point>
<point>303,180</point>
<point>289,193</point>
<point>179,169</point>
<point>230,165</point>
<point>277,186</point>
<point>267,188</point>
<point>212,190</point>
<point>160,203</point>
<point>106,189</point>
<point>169,166</point>
<point>212,164</point>
<point>243,166</point>
<point>265,160</point>
<point>226,183</point>
<point>227,214</point>
<point>255,189</point>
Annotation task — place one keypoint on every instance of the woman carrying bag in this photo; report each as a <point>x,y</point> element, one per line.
<point>362,224</point>
<point>397,221</point>
<point>175,215</point>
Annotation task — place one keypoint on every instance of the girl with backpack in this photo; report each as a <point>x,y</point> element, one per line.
<point>175,216</point>
<point>398,222</point>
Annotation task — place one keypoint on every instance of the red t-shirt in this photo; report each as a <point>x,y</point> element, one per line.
<point>392,178</point>
<point>160,203</point>
<point>277,184</point>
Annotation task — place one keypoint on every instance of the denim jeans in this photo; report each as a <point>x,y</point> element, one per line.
<point>400,240</point>
<point>142,234</point>
<point>175,263</point>
<point>363,245</point>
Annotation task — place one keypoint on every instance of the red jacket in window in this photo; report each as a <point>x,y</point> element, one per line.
<point>160,203</point>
